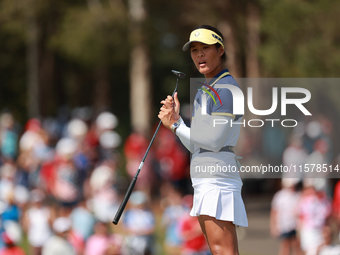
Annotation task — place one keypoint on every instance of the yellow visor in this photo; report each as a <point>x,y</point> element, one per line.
<point>205,36</point>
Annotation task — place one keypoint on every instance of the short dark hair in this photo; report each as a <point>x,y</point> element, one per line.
<point>214,29</point>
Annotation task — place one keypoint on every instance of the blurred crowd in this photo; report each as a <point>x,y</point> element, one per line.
<point>61,185</point>
<point>305,212</point>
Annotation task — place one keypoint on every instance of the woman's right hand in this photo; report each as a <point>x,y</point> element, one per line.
<point>174,103</point>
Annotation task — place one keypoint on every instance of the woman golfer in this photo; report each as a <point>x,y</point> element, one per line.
<point>213,133</point>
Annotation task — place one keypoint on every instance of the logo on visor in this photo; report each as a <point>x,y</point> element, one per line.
<point>213,90</point>
<point>197,33</point>
<point>218,38</point>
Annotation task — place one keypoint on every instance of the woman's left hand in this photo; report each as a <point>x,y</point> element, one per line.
<point>167,113</point>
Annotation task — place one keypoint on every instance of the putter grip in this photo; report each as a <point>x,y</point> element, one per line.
<point>124,202</point>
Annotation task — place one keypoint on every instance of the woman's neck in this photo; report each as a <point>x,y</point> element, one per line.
<point>211,75</point>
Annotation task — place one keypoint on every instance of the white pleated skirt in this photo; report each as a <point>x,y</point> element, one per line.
<point>217,190</point>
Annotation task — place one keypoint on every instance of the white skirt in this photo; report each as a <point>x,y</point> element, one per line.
<point>217,193</point>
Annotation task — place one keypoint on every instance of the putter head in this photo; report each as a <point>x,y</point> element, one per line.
<point>178,74</point>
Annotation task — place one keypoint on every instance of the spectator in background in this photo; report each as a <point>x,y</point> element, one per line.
<point>58,244</point>
<point>11,237</point>
<point>108,142</point>
<point>327,247</point>
<point>76,240</point>
<point>172,157</point>
<point>104,196</point>
<point>10,211</point>
<point>36,222</point>
<point>294,155</point>
<point>34,151</point>
<point>194,242</point>
<point>283,217</point>
<point>172,214</point>
<point>313,210</point>
<point>26,166</point>
<point>35,141</point>
<point>318,158</point>
<point>7,183</point>
<point>319,129</point>
<point>82,220</point>
<point>313,131</point>
<point>8,137</point>
<point>134,149</point>
<point>12,196</point>
<point>102,242</point>
<point>77,130</point>
<point>318,155</point>
<point>61,176</point>
<point>105,121</point>
<point>139,223</point>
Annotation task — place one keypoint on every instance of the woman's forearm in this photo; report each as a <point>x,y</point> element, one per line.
<point>210,134</point>
<point>183,133</point>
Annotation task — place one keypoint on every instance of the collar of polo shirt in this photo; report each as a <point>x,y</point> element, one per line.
<point>205,36</point>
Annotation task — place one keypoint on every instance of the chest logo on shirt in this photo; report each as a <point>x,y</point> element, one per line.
<point>208,92</point>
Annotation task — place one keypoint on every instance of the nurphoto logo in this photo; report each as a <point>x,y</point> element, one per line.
<point>238,104</point>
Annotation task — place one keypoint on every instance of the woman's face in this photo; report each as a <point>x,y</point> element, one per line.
<point>207,58</point>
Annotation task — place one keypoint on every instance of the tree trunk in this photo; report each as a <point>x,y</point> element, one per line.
<point>32,68</point>
<point>252,62</point>
<point>231,48</point>
<point>102,90</point>
<point>140,97</point>
<point>253,43</point>
<point>46,80</point>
